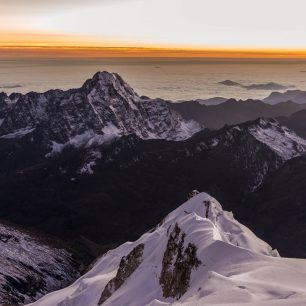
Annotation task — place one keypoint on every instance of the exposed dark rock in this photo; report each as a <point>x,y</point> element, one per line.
<point>296,122</point>
<point>277,210</point>
<point>178,263</point>
<point>127,266</point>
<point>151,175</point>
<point>207,206</point>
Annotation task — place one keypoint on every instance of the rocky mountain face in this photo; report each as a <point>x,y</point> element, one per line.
<point>296,122</point>
<point>4,106</point>
<point>99,191</point>
<point>30,268</point>
<point>282,198</point>
<point>232,111</point>
<point>197,255</point>
<point>105,107</point>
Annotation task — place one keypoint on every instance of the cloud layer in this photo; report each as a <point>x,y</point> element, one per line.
<point>20,7</point>
<point>217,24</point>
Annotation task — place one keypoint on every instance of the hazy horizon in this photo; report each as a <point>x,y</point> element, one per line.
<point>174,79</point>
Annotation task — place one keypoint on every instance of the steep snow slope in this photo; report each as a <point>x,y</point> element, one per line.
<point>280,139</point>
<point>29,268</point>
<point>198,255</point>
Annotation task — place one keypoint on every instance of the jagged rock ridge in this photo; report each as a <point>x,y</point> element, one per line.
<point>36,126</point>
<point>105,106</point>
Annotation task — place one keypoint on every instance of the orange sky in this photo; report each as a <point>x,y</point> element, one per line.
<point>153,28</point>
<point>95,52</point>
<point>22,44</point>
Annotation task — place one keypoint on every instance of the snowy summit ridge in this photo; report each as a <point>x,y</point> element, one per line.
<point>198,255</point>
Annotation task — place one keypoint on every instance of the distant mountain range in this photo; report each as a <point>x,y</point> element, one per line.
<point>56,151</point>
<point>233,111</point>
<point>211,101</point>
<point>98,166</point>
<point>264,86</point>
<point>297,96</point>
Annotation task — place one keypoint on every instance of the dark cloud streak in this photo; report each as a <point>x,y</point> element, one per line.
<point>9,86</point>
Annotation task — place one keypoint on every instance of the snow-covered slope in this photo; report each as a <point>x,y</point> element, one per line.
<point>260,147</point>
<point>198,255</point>
<point>29,268</point>
<point>283,141</point>
<point>105,105</point>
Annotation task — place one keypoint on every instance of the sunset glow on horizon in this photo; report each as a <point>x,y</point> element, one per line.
<point>159,28</point>
<point>134,52</point>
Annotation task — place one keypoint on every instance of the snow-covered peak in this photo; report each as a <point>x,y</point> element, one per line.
<point>105,78</point>
<point>198,255</point>
<point>104,105</point>
<point>112,85</point>
<point>283,141</point>
<point>226,228</point>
